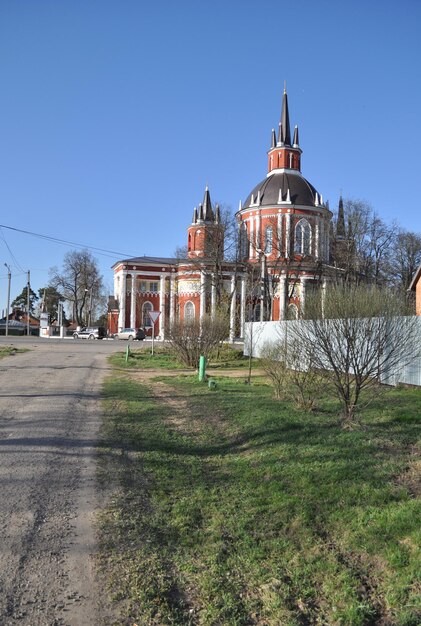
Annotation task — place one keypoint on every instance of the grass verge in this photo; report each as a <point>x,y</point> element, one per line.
<point>230,507</point>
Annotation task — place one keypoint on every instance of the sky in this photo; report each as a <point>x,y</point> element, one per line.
<point>115,115</point>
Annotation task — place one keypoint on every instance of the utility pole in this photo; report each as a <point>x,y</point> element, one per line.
<point>90,308</point>
<point>9,278</point>
<point>28,304</point>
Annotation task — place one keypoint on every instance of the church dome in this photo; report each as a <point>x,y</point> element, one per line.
<point>301,192</point>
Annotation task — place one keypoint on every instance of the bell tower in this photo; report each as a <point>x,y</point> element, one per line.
<point>284,154</point>
<point>205,235</point>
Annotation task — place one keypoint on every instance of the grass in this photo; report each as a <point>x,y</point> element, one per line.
<point>163,358</point>
<point>8,350</point>
<point>142,358</point>
<point>230,507</point>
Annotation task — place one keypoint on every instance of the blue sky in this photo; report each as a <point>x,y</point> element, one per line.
<point>115,115</point>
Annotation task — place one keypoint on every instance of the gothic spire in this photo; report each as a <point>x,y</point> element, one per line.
<point>340,224</point>
<point>207,207</point>
<point>273,142</point>
<point>286,132</point>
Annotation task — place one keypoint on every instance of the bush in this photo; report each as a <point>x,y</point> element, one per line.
<point>283,363</point>
<point>191,339</point>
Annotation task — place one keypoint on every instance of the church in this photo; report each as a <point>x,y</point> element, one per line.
<point>283,251</point>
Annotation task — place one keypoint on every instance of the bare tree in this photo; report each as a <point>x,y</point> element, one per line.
<point>363,247</point>
<point>191,339</point>
<point>359,336</point>
<point>80,283</point>
<point>404,259</point>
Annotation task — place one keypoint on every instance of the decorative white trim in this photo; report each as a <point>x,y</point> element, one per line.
<point>284,170</point>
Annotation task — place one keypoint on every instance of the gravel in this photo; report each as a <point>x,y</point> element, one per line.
<point>50,414</point>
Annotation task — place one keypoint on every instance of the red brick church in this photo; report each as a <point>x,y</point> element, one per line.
<point>283,251</point>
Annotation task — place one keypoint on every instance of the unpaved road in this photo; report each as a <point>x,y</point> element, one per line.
<point>49,419</point>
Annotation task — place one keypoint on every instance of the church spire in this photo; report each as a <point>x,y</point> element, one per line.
<point>284,154</point>
<point>340,224</point>
<point>207,207</point>
<point>286,131</point>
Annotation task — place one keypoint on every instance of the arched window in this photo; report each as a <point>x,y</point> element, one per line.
<point>243,241</point>
<point>146,320</point>
<point>268,239</point>
<point>256,312</point>
<point>302,238</point>
<point>189,311</point>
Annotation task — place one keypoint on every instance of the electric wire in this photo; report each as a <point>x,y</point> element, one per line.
<point>102,251</point>
<point>18,265</point>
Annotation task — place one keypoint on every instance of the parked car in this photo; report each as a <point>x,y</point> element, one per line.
<point>130,334</point>
<point>90,333</point>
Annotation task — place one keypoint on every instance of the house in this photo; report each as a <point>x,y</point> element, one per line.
<point>17,323</point>
<point>284,252</point>
<point>416,286</point>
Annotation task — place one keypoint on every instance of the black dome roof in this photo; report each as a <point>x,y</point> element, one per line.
<point>301,191</point>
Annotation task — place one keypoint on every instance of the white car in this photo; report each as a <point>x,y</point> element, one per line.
<point>130,334</point>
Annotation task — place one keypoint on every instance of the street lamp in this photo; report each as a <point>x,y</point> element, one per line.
<point>90,306</point>
<point>9,278</point>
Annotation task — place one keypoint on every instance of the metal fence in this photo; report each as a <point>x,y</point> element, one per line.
<point>259,334</point>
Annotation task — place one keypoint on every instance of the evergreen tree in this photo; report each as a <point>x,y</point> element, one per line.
<point>21,301</point>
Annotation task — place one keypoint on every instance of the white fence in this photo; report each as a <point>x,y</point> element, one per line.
<point>257,334</point>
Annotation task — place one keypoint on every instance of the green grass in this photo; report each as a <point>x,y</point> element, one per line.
<point>142,358</point>
<point>239,509</point>
<point>163,358</point>
<point>8,350</point>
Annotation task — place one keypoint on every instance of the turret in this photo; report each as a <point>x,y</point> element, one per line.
<point>205,232</point>
<point>283,154</point>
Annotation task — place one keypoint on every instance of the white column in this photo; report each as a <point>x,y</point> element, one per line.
<point>287,234</point>
<point>252,250</point>
<point>162,306</point>
<point>262,287</point>
<point>213,297</point>
<point>279,234</point>
<point>303,281</point>
<point>133,302</point>
<point>317,239</point>
<point>202,294</point>
<point>122,301</point>
<point>282,297</point>
<point>258,243</point>
<point>172,299</point>
<point>243,304</point>
<point>232,308</point>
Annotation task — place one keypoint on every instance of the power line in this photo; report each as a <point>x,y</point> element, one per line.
<point>102,251</point>
<point>10,251</point>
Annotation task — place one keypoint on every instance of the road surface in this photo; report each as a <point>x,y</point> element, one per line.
<point>50,413</point>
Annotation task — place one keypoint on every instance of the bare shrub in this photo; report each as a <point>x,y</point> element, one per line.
<point>359,335</point>
<point>292,375</point>
<point>273,363</point>
<point>191,339</point>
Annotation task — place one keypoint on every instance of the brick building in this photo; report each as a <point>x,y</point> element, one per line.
<point>284,249</point>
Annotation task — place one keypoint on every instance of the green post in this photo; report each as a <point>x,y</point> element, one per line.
<point>127,353</point>
<point>202,368</point>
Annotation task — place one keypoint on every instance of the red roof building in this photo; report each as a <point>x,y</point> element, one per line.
<point>283,252</point>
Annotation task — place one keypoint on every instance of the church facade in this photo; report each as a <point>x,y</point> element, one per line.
<point>283,250</point>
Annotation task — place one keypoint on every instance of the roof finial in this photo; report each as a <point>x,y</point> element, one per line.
<point>285,86</point>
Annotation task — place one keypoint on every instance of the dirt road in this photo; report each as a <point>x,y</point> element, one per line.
<point>49,419</point>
